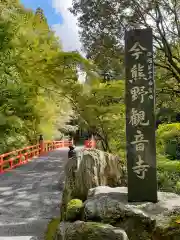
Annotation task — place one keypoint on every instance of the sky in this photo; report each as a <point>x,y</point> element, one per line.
<point>60,19</point>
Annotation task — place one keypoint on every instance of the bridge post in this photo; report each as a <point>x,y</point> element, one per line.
<point>1,164</point>
<point>41,144</point>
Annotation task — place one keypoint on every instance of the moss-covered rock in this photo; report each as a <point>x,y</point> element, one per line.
<point>74,210</point>
<point>52,229</point>
<point>89,231</point>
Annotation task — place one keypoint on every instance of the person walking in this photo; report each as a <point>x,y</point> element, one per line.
<point>71,152</point>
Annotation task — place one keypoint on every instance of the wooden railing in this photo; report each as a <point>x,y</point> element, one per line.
<point>19,157</point>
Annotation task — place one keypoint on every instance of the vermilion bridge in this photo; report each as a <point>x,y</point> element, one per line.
<point>31,184</point>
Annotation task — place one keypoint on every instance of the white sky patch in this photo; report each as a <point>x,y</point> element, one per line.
<point>68,30</point>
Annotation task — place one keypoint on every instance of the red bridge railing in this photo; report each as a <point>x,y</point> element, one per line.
<point>19,157</point>
<point>13,159</point>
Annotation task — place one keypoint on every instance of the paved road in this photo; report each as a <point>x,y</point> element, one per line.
<point>30,197</point>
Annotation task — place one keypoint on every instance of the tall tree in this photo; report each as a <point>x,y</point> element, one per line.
<point>98,37</point>
<point>99,108</point>
<point>28,58</point>
<point>39,14</point>
<point>112,17</point>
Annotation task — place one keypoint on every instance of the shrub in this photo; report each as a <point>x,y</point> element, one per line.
<point>168,139</point>
<point>168,174</point>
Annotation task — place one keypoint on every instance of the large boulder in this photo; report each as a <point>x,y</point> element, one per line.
<point>141,221</point>
<point>90,168</point>
<point>89,231</point>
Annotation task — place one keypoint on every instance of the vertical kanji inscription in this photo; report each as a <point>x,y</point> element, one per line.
<point>140,116</point>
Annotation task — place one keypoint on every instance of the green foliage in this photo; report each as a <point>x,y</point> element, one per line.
<point>101,111</point>
<point>30,53</point>
<point>168,174</point>
<point>98,21</point>
<point>168,138</point>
